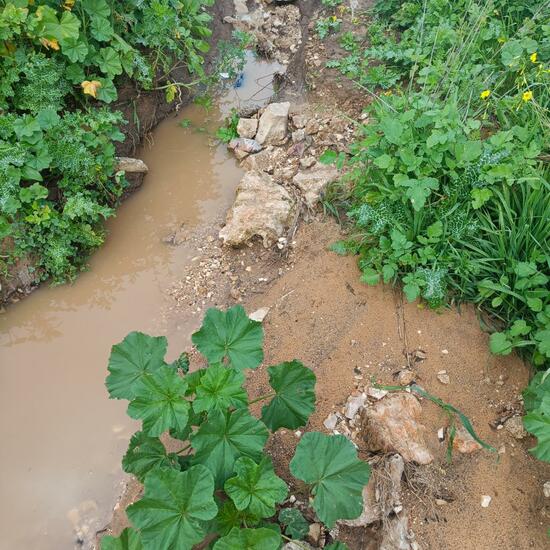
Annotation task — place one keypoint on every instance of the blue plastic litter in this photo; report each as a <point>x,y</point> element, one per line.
<point>239,81</point>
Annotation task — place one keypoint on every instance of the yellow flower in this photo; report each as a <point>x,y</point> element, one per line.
<point>533,57</point>
<point>527,96</point>
<point>90,87</point>
<point>485,94</point>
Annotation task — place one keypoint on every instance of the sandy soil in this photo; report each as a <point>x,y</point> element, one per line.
<point>321,314</point>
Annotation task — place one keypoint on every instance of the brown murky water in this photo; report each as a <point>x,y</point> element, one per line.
<point>62,438</point>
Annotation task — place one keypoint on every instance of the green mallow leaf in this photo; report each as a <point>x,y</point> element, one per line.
<point>137,355</point>
<point>499,344</point>
<point>295,524</point>
<point>337,546</point>
<point>174,509</point>
<point>256,488</point>
<point>146,453</point>
<point>159,402</point>
<point>129,539</point>
<point>294,401</point>
<point>539,425</point>
<point>232,336</point>
<point>229,517</point>
<point>250,539</point>
<point>224,438</point>
<point>220,388</point>
<point>329,463</point>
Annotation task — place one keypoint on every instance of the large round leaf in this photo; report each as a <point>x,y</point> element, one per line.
<point>256,488</point>
<point>174,508</point>
<point>146,453</point>
<point>250,539</point>
<point>225,437</point>
<point>220,388</point>
<point>294,401</point>
<point>538,424</point>
<point>230,335</point>
<point>329,463</point>
<point>129,539</point>
<point>159,402</point>
<point>137,355</point>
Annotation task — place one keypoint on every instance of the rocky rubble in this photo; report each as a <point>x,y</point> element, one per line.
<point>281,149</point>
<point>276,29</point>
<point>262,209</point>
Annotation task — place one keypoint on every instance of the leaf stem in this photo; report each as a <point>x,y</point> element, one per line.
<point>262,397</point>
<point>185,448</point>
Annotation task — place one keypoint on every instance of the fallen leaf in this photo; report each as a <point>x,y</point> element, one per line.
<point>47,43</point>
<point>90,87</point>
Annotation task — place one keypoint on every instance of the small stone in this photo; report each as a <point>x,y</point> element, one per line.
<point>130,165</point>
<point>313,182</point>
<point>514,426</point>
<point>392,425</point>
<point>376,393</point>
<point>405,377</point>
<point>247,127</point>
<point>354,405</point>
<point>443,377</point>
<point>273,123</point>
<point>464,443</point>
<point>299,121</point>
<point>307,162</point>
<point>298,135</point>
<point>244,145</point>
<point>331,421</point>
<point>546,489</point>
<point>485,501</point>
<point>441,434</point>
<point>440,502</point>
<point>259,315</point>
<point>314,534</point>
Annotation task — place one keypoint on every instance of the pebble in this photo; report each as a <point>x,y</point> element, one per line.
<point>443,377</point>
<point>514,426</point>
<point>376,393</point>
<point>331,421</point>
<point>259,315</point>
<point>546,489</point>
<point>405,377</point>
<point>485,501</point>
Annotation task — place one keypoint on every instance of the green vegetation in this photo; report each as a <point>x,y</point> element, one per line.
<point>220,484</point>
<point>448,184</point>
<point>59,65</point>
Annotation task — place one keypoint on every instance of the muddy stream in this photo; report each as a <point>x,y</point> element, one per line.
<point>63,439</point>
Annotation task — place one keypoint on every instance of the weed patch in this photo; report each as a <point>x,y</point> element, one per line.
<point>448,185</point>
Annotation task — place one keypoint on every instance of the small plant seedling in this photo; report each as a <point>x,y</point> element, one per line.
<point>221,485</point>
<point>451,411</point>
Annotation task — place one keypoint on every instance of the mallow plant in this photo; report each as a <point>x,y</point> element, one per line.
<point>219,487</point>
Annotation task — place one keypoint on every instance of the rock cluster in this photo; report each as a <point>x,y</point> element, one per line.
<point>279,150</point>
